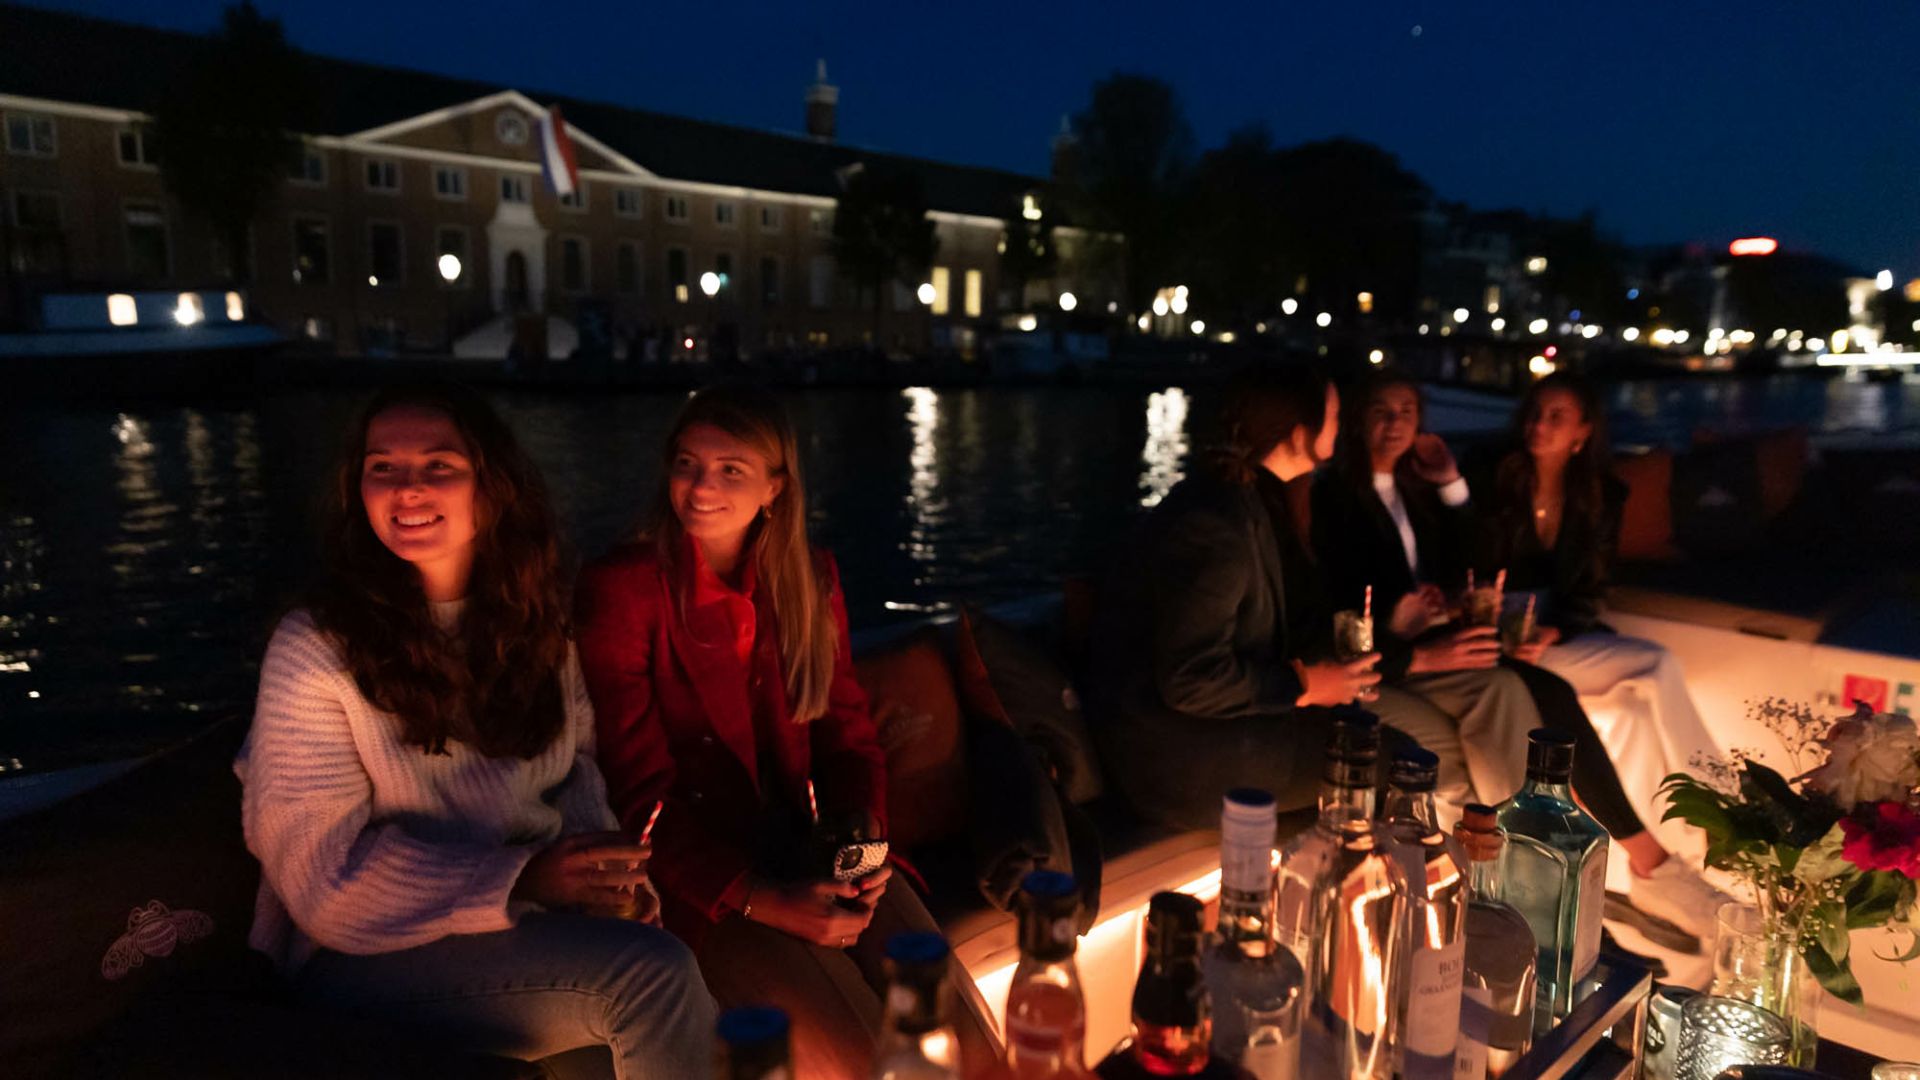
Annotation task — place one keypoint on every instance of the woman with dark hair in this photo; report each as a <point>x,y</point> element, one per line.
<point>1551,519</point>
<point>1212,661</point>
<point>716,651</point>
<point>419,782</point>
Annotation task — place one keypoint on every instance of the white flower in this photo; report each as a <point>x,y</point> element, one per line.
<point>1870,757</point>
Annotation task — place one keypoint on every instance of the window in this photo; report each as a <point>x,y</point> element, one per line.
<point>973,294</point>
<point>513,189</point>
<point>312,264</point>
<point>770,218</point>
<point>820,281</point>
<point>576,200</point>
<point>723,268</point>
<point>453,241</point>
<point>449,182</point>
<point>39,246</point>
<point>674,207</point>
<point>626,269</point>
<point>769,282</point>
<point>677,273</point>
<point>724,213</point>
<point>627,202</point>
<point>30,134</point>
<point>942,289</point>
<point>311,169</point>
<point>147,250</point>
<point>820,221</point>
<point>384,266</point>
<point>573,264</point>
<point>383,176</point>
<point>136,147</point>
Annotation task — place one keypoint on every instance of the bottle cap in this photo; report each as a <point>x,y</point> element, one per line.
<point>1416,769</point>
<point>1049,901</point>
<point>1479,832</point>
<point>1549,756</point>
<point>1247,817</point>
<point>919,947</point>
<point>750,1024</point>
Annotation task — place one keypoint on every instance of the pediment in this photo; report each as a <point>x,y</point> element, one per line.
<point>502,126</point>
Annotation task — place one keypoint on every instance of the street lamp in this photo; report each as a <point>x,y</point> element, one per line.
<point>926,293</point>
<point>1068,301</point>
<point>449,266</point>
<point>710,284</point>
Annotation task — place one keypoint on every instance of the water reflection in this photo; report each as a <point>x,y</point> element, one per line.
<point>1164,457</point>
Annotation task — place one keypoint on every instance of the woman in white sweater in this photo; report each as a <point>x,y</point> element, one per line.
<point>419,782</point>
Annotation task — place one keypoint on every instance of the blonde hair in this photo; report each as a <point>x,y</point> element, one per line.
<point>776,541</point>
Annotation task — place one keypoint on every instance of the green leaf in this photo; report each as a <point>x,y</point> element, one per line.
<point>1911,952</point>
<point>1830,930</point>
<point>1835,976</point>
<point>1823,861</point>
<point>1874,900</point>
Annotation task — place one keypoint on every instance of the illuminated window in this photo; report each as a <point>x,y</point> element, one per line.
<point>973,294</point>
<point>677,273</point>
<point>236,307</point>
<point>942,287</point>
<point>121,310</point>
<point>188,310</point>
<point>723,266</point>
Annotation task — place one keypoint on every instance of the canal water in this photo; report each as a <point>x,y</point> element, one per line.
<point>145,551</point>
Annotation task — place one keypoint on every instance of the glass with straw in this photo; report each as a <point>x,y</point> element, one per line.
<point>1517,625</point>
<point>1480,605</point>
<point>1353,635</point>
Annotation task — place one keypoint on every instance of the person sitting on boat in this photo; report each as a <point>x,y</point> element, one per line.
<point>1394,516</point>
<point>717,654</point>
<point>1550,517</point>
<point>1213,662</point>
<point>419,782</point>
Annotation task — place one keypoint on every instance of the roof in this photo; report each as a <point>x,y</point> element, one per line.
<point>84,60</point>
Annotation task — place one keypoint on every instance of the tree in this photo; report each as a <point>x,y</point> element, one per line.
<point>1350,223</point>
<point>225,128</point>
<point>1134,151</point>
<point>1583,271</point>
<point>1233,254</point>
<point>881,232</point>
<point>1028,253</point>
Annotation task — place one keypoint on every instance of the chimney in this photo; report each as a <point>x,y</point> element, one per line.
<point>1066,153</point>
<point>822,98</point>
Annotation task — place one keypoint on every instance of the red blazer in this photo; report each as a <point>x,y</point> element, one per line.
<point>674,711</point>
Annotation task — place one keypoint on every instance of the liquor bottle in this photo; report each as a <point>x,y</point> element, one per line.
<point>916,1043</point>
<point>753,1044</point>
<point>1554,873</point>
<point>1343,903</point>
<point>1172,1017</point>
<point>1256,986</point>
<point>1436,869</point>
<point>1497,991</point>
<point>1046,1010</point>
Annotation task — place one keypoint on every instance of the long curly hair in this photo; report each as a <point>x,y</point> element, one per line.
<point>494,683</point>
<point>1353,461</point>
<point>777,541</point>
<point>1586,471</point>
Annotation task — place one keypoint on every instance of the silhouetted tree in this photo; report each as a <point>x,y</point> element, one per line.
<point>1133,154</point>
<point>1233,253</point>
<point>881,232</point>
<point>225,129</point>
<point>1349,223</point>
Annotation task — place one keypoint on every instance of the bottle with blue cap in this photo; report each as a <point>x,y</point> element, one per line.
<point>1555,874</point>
<point>917,1042</point>
<point>1257,987</point>
<point>1438,884</point>
<point>1046,1009</point>
<point>754,1044</point>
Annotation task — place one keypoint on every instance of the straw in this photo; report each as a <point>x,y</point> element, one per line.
<point>1531,597</point>
<point>1500,581</point>
<point>1366,606</point>
<point>647,833</point>
<point>813,804</point>
<point>1469,580</point>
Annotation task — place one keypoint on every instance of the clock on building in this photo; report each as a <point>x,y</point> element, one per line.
<point>510,127</point>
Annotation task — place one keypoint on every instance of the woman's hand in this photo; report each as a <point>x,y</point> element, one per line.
<point>1432,461</point>
<point>1542,637</point>
<point>596,873</point>
<point>829,913</point>
<point>1470,648</point>
<point>1419,611</point>
<point>1331,682</point>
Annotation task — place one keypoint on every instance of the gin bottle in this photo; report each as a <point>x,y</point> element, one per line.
<point>754,1045</point>
<point>1046,1010</point>
<point>1436,869</point>
<point>1344,901</point>
<point>1554,873</point>
<point>1255,984</point>
<point>916,1042</point>
<point>1172,1015</point>
<point>1496,1008</point>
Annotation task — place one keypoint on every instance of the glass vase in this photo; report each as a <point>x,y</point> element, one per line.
<point>1758,961</point>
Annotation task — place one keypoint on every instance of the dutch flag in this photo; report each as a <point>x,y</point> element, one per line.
<point>556,155</point>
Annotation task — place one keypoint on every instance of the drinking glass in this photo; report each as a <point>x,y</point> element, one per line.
<point>1717,1032</point>
<point>1516,625</point>
<point>1353,639</point>
<point>1761,965</point>
<point>1896,1070</point>
<point>1481,606</point>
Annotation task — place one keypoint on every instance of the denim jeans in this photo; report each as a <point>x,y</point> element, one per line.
<point>553,983</point>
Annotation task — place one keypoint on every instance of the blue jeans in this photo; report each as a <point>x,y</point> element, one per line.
<point>553,983</point>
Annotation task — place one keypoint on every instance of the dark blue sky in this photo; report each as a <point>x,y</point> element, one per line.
<point>1674,119</point>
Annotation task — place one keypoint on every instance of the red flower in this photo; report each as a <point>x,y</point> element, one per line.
<point>1887,839</point>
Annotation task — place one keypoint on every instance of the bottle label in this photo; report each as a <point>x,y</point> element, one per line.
<point>1433,1011</point>
<point>1476,1021</point>
<point>1270,1060</point>
<point>1246,868</point>
<point>1592,902</point>
<point>1042,1040</point>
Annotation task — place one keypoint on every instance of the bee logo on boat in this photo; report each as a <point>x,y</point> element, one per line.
<point>153,930</point>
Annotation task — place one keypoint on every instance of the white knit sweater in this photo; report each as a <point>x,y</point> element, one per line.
<point>368,845</point>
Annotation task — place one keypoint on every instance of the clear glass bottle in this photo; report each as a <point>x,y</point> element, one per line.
<point>1256,986</point>
<point>1436,869</point>
<point>917,1043</point>
<point>1046,1010</point>
<point>1172,1015</point>
<point>1497,991</point>
<point>1343,902</point>
<point>753,1044</point>
<point>1554,873</point>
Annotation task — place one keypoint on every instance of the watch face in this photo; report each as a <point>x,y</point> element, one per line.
<point>511,127</point>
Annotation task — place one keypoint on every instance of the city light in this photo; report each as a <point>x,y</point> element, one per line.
<point>1227,337</point>
<point>373,280</point>
<point>1068,301</point>
<point>236,308</point>
<point>121,310</point>
<point>1680,337</point>
<point>1289,306</point>
<point>1160,307</point>
<point>1199,326</point>
<point>1029,323</point>
<point>1030,208</point>
<point>1260,328</point>
<point>1365,302</point>
<point>1631,333</point>
<point>188,310</point>
<point>1663,337</point>
<point>1460,314</point>
<point>1537,264</point>
<point>449,265</point>
<point>1815,344</point>
<point>1424,329</point>
<point>688,343</point>
<point>1537,326</point>
<point>1498,324</point>
<point>1376,357</point>
<point>710,283</point>
<point>926,293</point>
<point>1840,340</point>
<point>1590,331</point>
<point>1540,366</point>
<point>1143,322</point>
<point>1323,320</point>
<point>1751,245</point>
<point>1179,304</point>
<point>1883,280</point>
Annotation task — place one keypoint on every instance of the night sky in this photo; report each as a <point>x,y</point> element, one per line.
<point>1675,120</point>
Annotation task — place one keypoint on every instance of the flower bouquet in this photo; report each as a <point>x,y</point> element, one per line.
<point>1836,848</point>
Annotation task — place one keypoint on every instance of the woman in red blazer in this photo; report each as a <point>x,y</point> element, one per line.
<point>715,649</point>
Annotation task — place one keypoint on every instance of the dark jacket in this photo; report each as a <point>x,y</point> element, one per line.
<point>1573,576</point>
<point>1357,544</point>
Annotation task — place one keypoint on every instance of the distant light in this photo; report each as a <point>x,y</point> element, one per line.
<point>1883,280</point>
<point>1365,302</point>
<point>1289,306</point>
<point>1199,326</point>
<point>1144,322</point>
<point>710,283</point>
<point>189,310</point>
<point>1537,264</point>
<point>1376,357</point>
<point>1817,344</point>
<point>373,280</point>
<point>1179,290</point>
<point>1574,314</point>
<point>1424,328</point>
<point>1913,291</point>
<point>1715,333</point>
<point>1566,328</point>
<point>1840,340</point>
<point>688,343</point>
<point>1680,337</point>
<point>1550,351</point>
<point>1160,306</point>
<point>1227,337</point>
<point>1540,366</point>
<point>1418,30</point>
<point>1633,294</point>
<point>1916,326</point>
<point>1259,328</point>
<point>1068,301</point>
<point>236,307</point>
<point>1323,320</point>
<point>1179,304</point>
<point>1793,345</point>
<point>1537,326</point>
<point>449,268</point>
<point>1590,332</point>
<point>1631,333</point>
<point>1030,208</point>
<point>1752,245</point>
<point>1461,314</point>
<point>1663,337</point>
<point>1029,323</point>
<point>926,293</point>
<point>1498,325</point>
<point>121,310</point>
<point>1113,306</point>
